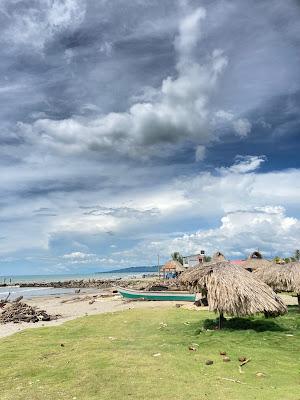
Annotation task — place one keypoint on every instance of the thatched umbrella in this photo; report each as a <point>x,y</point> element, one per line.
<point>218,256</point>
<point>255,261</point>
<point>172,266</point>
<point>232,290</point>
<point>281,277</point>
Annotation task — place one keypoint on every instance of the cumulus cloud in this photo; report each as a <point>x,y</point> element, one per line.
<point>180,109</point>
<point>266,228</point>
<point>115,107</point>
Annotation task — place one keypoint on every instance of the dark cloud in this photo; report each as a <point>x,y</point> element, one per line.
<point>108,102</point>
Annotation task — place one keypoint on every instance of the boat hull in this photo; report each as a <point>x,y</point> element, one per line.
<point>157,296</point>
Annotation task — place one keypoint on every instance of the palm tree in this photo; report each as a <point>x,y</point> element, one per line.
<point>176,256</point>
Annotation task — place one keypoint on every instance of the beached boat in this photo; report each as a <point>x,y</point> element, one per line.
<point>160,295</point>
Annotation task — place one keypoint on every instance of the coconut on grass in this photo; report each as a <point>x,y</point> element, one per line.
<point>233,290</point>
<point>280,277</point>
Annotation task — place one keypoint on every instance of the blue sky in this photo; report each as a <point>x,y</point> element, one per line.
<point>135,128</point>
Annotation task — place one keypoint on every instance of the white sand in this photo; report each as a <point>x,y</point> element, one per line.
<point>74,309</point>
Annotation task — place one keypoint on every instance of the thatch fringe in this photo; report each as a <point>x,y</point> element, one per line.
<point>218,256</point>
<point>281,277</point>
<point>232,290</point>
<point>255,261</point>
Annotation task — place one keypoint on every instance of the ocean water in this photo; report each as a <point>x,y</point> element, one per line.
<point>29,292</point>
<point>67,277</point>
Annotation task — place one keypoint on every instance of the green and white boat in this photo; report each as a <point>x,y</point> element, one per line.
<point>158,296</point>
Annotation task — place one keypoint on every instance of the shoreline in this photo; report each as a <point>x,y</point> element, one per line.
<point>46,280</point>
<point>40,289</point>
<point>73,306</point>
<point>84,283</point>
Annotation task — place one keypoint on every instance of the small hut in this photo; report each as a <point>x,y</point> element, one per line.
<point>281,277</point>
<point>173,267</point>
<point>217,257</point>
<point>232,290</point>
<point>255,261</point>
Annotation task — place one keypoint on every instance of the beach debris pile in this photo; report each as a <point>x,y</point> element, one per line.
<point>18,311</point>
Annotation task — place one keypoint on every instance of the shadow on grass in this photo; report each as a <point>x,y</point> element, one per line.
<point>258,325</point>
<point>294,310</point>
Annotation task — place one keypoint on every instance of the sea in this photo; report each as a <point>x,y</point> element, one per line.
<point>30,292</point>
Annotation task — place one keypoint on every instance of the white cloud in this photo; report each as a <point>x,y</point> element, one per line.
<point>189,34</point>
<point>253,210</point>
<point>242,127</point>
<point>266,228</point>
<point>200,153</point>
<point>245,164</point>
<point>38,24</point>
<point>78,255</point>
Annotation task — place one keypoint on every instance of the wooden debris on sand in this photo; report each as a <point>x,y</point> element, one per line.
<point>21,312</point>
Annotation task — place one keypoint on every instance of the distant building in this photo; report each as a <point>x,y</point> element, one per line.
<point>171,269</point>
<point>237,262</point>
<point>192,261</point>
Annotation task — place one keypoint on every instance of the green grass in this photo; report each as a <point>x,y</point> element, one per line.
<point>90,365</point>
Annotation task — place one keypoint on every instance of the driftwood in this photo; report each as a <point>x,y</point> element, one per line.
<point>22,312</point>
<point>245,362</point>
<point>18,299</point>
<point>4,301</point>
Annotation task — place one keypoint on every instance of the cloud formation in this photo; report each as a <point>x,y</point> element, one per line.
<point>127,127</point>
<point>180,110</point>
<point>34,26</point>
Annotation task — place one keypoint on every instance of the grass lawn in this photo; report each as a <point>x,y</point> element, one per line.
<point>110,356</point>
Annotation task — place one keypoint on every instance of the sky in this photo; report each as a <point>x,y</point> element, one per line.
<point>132,129</point>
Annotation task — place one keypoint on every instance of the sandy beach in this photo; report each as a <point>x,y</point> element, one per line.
<point>73,306</point>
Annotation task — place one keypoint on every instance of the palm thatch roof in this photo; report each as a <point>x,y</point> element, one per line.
<point>173,266</point>
<point>233,290</point>
<point>255,261</point>
<point>218,256</point>
<point>281,277</point>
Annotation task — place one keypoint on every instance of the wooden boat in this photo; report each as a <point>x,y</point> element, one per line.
<point>160,295</point>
